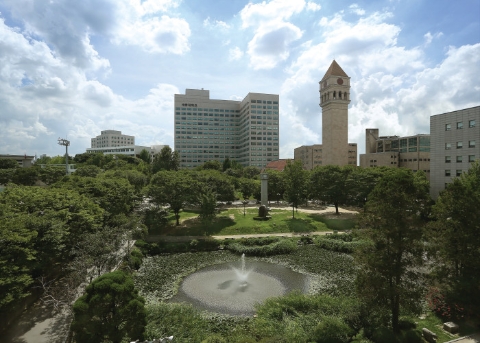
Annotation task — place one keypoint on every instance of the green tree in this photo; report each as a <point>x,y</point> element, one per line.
<point>111,309</point>
<point>276,184</point>
<point>331,184</point>
<point>251,172</point>
<point>212,164</point>
<point>173,188</point>
<point>145,156</point>
<point>454,239</point>
<point>216,181</point>
<point>6,163</point>
<point>165,160</point>
<point>388,277</point>
<point>88,170</point>
<point>51,174</point>
<point>295,179</point>
<point>208,206</point>
<point>227,164</point>
<point>24,176</point>
<point>247,187</point>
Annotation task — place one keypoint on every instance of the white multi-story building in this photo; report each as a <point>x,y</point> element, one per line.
<point>454,145</point>
<point>112,138</point>
<point>208,129</point>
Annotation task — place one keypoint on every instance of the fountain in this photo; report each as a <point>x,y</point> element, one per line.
<point>231,290</point>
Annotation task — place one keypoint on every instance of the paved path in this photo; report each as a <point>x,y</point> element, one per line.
<point>468,339</point>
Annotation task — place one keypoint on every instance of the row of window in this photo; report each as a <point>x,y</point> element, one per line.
<point>264,102</point>
<point>458,172</point>
<point>471,144</point>
<point>471,123</point>
<point>205,110</point>
<point>459,159</point>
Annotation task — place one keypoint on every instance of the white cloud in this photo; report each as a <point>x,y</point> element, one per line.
<point>354,8</point>
<point>216,24</point>
<point>235,54</point>
<point>429,37</point>
<point>257,14</point>
<point>270,45</point>
<point>312,6</point>
<point>159,35</point>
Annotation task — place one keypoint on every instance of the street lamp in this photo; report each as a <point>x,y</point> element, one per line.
<point>244,202</point>
<point>65,143</point>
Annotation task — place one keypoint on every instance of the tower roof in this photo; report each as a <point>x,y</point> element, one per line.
<point>335,70</point>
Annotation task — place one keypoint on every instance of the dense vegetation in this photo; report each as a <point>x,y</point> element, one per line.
<point>406,256</point>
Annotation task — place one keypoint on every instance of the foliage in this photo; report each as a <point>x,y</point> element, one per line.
<point>247,187</point>
<point>173,188</point>
<point>332,329</point>
<point>145,156</point>
<point>251,172</point>
<point>283,246</point>
<point>88,170</point>
<point>331,184</point>
<point>217,182</point>
<point>389,279</point>
<point>24,176</point>
<point>155,217</point>
<point>110,309</point>
<point>166,159</point>
<point>6,163</point>
<point>295,179</point>
<point>276,185</point>
<point>38,228</point>
<point>340,243</point>
<point>51,174</point>
<point>454,242</point>
<point>208,206</point>
<point>212,164</point>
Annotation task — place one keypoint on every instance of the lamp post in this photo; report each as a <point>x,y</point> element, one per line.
<point>65,143</point>
<point>244,202</point>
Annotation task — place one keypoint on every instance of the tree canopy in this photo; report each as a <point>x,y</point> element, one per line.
<point>110,309</point>
<point>295,179</point>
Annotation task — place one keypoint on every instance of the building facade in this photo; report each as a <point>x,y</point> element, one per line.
<point>312,155</point>
<point>22,160</point>
<point>455,144</point>
<point>208,129</point>
<point>112,138</point>
<point>411,152</point>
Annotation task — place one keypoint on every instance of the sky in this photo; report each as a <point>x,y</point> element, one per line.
<point>70,69</point>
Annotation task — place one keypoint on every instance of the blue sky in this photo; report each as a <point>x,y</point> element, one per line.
<point>70,69</point>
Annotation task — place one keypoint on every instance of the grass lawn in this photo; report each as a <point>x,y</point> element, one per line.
<point>233,222</point>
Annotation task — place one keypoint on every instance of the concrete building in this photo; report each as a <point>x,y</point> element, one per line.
<point>412,152</point>
<point>208,129</point>
<point>455,144</point>
<point>22,160</point>
<point>334,100</point>
<point>131,150</point>
<point>312,155</point>
<point>112,138</point>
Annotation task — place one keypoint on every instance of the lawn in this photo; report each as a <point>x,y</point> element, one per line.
<point>233,222</point>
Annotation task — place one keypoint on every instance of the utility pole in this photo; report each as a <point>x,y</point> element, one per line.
<point>65,143</point>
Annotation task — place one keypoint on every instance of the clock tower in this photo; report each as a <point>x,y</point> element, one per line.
<point>334,100</point>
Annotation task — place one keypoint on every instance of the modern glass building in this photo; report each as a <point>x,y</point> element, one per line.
<point>208,129</point>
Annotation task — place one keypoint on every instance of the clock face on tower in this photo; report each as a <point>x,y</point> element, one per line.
<point>340,81</point>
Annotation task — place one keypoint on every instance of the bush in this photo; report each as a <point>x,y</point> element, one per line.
<point>284,246</point>
<point>411,336</point>
<point>339,243</point>
<point>333,330</point>
<point>384,335</point>
<point>135,259</point>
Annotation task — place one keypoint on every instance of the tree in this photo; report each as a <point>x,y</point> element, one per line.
<point>51,174</point>
<point>88,170</point>
<point>25,176</point>
<point>251,172</point>
<point>388,268</point>
<point>247,187</point>
<point>172,188</point>
<point>165,160</point>
<point>220,184</point>
<point>330,184</point>
<point>208,206</point>
<point>6,163</point>
<point>110,309</point>
<point>295,184</point>
<point>212,164</point>
<point>276,184</point>
<point>145,156</point>
<point>227,164</point>
<point>454,239</point>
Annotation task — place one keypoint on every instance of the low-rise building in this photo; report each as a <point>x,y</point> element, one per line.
<point>411,152</point>
<point>112,138</point>
<point>311,155</point>
<point>22,160</point>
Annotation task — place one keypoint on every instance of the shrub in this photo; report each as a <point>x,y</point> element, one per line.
<point>284,246</point>
<point>339,243</point>
<point>332,330</point>
<point>384,335</point>
<point>411,336</point>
